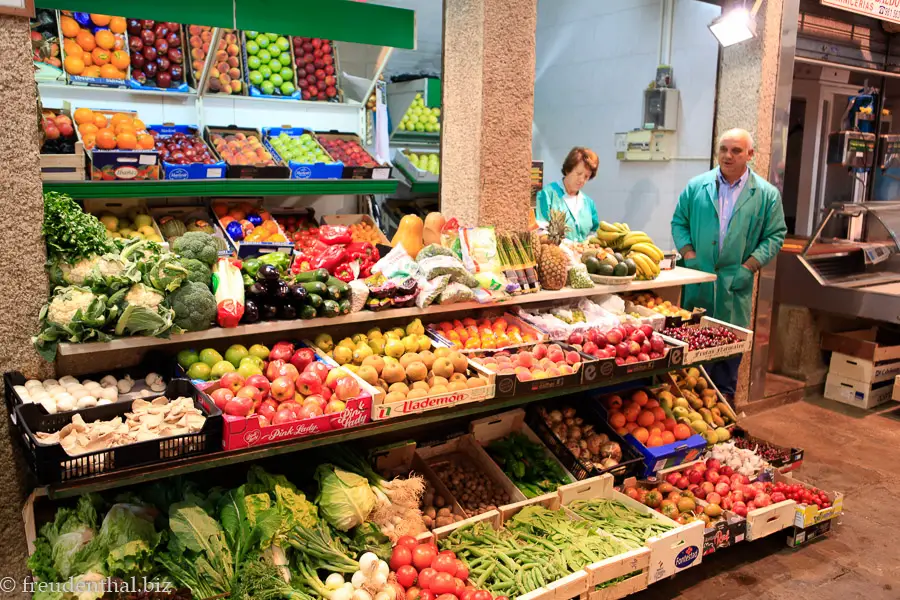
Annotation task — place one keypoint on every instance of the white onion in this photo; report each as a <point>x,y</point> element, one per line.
<point>79,392</point>
<point>103,401</point>
<point>368,563</point>
<point>334,581</point>
<point>384,568</point>
<point>33,383</point>
<point>382,595</point>
<point>378,580</point>
<point>125,384</point>
<point>358,579</point>
<point>361,595</point>
<point>342,593</point>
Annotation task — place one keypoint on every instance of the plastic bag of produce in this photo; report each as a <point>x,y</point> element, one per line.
<point>430,291</point>
<point>397,264</point>
<point>433,250</point>
<point>479,250</point>
<point>456,292</point>
<point>359,293</point>
<point>447,265</point>
<point>578,277</point>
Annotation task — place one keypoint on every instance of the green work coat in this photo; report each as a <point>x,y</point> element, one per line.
<point>756,229</point>
<point>582,225</point>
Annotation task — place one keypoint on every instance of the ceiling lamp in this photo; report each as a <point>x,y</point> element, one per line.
<point>735,25</point>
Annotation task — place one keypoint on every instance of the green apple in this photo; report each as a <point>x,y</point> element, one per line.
<point>276,80</point>
<point>263,41</point>
<point>274,50</point>
<point>187,357</point>
<point>287,88</point>
<point>267,87</point>
<point>253,62</point>
<point>252,48</point>
<point>251,35</point>
<point>235,353</point>
<point>259,351</point>
<point>220,368</point>
<point>265,71</point>
<point>285,59</point>
<point>247,370</point>
<point>210,356</point>
<point>287,73</point>
<point>264,56</point>
<point>272,36</point>
<point>282,42</point>
<point>199,370</point>
<point>256,77</point>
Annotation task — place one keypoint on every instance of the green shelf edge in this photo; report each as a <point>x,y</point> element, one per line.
<point>197,464</point>
<point>427,187</point>
<point>220,187</point>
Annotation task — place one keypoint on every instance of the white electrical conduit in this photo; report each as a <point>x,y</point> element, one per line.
<point>666,25</point>
<point>833,65</point>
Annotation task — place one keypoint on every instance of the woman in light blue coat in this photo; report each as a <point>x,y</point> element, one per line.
<point>566,196</point>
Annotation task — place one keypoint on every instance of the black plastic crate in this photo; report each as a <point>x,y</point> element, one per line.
<point>632,463</point>
<point>51,464</point>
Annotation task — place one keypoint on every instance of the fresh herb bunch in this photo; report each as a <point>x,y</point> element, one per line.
<point>527,464</point>
<point>71,233</point>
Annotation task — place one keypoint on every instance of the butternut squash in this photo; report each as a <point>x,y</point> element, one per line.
<point>409,234</point>
<point>434,222</point>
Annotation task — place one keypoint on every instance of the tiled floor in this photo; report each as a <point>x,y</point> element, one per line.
<point>853,451</point>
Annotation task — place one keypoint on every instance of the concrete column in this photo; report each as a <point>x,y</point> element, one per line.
<point>23,284</point>
<point>488,87</point>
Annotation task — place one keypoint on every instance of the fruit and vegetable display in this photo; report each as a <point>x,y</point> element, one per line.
<point>694,385</point>
<point>45,39</point>
<point>179,148</point>
<point>436,509</point>
<point>647,419</point>
<point>474,489</point>
<point>423,573</point>
<point>272,292</point>
<point>107,130</point>
<point>94,46</point>
<point>241,148</point>
<point>485,334</point>
<point>529,465</point>
<point>316,68</point>
<point>157,53</point>
<point>634,245</point>
<point>226,75</point>
<point>701,338</point>
<point>765,450</point>
<point>679,505</point>
<point>247,222</point>
<point>135,224</point>
<point>540,362</point>
<point>430,162</point>
<point>627,344</point>
<point>59,133</point>
<point>535,547</point>
<point>332,248</point>
<point>270,69</point>
<point>741,460</point>
<point>657,304</point>
<point>604,262</point>
<point>588,447</point>
<point>173,227</point>
<point>619,520</point>
<point>68,393</point>
<point>348,151</point>
<point>301,149</point>
<point>420,118</point>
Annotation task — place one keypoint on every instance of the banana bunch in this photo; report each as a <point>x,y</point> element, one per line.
<point>610,235</point>
<point>647,268</point>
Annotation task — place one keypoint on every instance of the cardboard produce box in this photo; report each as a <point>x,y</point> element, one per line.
<point>247,248</point>
<point>191,170</point>
<point>353,219</point>
<point>743,344</point>
<point>115,164</point>
<point>860,394</point>
<point>378,171</point>
<point>510,384</point>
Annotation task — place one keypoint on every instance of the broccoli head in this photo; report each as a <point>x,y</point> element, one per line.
<point>197,245</point>
<point>195,306</point>
<point>198,272</point>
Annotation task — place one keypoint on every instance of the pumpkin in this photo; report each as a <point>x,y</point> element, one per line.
<point>409,234</point>
<point>434,222</point>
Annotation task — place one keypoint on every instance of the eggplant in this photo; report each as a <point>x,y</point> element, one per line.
<point>251,311</point>
<point>258,290</point>
<point>267,273</point>
<point>268,311</point>
<point>298,293</point>
<point>281,290</point>
<point>287,311</point>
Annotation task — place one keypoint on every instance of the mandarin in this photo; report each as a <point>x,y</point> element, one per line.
<point>641,435</point>
<point>668,437</point>
<point>105,39</point>
<point>69,27</point>
<point>640,396</point>
<point>101,20</point>
<point>110,72</point>
<point>106,139</point>
<point>100,120</point>
<point>126,140</point>
<point>645,418</point>
<point>118,24</point>
<point>83,115</point>
<point>100,56</point>
<point>89,140</point>
<point>145,141</point>
<point>71,48</point>
<point>617,419</point>
<point>119,59</point>
<point>88,128</point>
<point>88,59</point>
<point>74,65</point>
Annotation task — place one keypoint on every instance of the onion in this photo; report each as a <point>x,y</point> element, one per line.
<point>334,581</point>
<point>569,412</point>
<point>358,579</point>
<point>611,450</point>
<point>360,594</point>
<point>342,593</point>
<point>556,416</point>
<point>382,595</point>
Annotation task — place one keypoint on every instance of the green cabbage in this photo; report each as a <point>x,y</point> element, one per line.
<point>345,498</point>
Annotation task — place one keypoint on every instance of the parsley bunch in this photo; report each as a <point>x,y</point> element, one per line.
<point>71,233</point>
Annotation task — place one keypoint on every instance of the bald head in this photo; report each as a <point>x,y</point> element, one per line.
<point>734,152</point>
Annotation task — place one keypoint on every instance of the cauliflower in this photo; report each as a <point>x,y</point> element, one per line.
<point>74,314</point>
<point>63,306</point>
<point>198,245</point>
<point>194,305</point>
<point>143,296</point>
<point>106,271</point>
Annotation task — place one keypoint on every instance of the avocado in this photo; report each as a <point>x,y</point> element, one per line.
<point>632,267</point>
<point>605,269</point>
<point>609,260</point>
<point>593,265</point>
<point>619,257</point>
<point>621,270</point>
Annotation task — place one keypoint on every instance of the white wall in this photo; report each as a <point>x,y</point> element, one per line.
<point>594,59</point>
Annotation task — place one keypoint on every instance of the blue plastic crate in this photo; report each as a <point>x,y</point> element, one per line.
<point>300,170</point>
<point>193,171</point>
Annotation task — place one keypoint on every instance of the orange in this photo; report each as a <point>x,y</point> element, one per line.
<point>641,435</point>
<point>221,209</point>
<point>100,120</point>
<point>120,118</point>
<point>668,437</point>
<point>658,428</point>
<point>645,418</point>
<point>124,128</point>
<point>109,72</point>
<point>106,139</point>
<point>89,140</point>
<point>101,20</point>
<point>145,141</point>
<point>92,71</point>
<point>83,115</point>
<point>69,27</point>
<point>87,58</point>
<point>631,413</point>
<point>100,56</point>
<point>651,403</point>
<point>106,39</point>
<point>117,24</point>
<point>86,40</point>
<point>629,427</point>
<point>658,413</point>
<point>119,59</point>
<point>640,397</point>
<point>617,419</point>
<point>654,441</point>
<point>614,402</point>
<point>127,141</point>
<point>74,65</point>
<point>682,431</point>
<point>88,128</point>
<point>71,48</point>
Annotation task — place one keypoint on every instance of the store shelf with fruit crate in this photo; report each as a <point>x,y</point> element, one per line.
<point>401,98</point>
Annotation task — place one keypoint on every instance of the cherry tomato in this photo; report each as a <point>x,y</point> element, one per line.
<point>423,555</point>
<point>426,578</point>
<point>401,556</point>
<point>426,595</point>
<point>443,584</point>
<point>462,571</point>
<point>413,593</point>
<point>501,598</point>
<point>444,563</point>
<point>483,595</point>
<point>407,575</point>
<point>408,541</point>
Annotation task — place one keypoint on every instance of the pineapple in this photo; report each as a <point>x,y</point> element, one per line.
<point>553,264</point>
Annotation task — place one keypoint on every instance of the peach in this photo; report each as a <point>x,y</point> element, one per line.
<point>573,357</point>
<point>539,374</point>
<point>525,359</point>
<point>553,372</point>
<point>556,355</point>
<point>233,49</point>
<point>523,374</point>
<point>540,351</point>
<point>566,370</point>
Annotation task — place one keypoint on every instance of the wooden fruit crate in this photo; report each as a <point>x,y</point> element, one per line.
<point>64,167</point>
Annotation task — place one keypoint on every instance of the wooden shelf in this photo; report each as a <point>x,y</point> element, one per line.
<point>676,277</point>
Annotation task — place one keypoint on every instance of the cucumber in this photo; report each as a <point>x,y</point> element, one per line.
<point>345,307</point>
<point>335,282</point>
<point>315,287</point>
<point>320,275</point>
<point>315,300</point>
<point>306,312</point>
<point>330,308</point>
<point>334,293</point>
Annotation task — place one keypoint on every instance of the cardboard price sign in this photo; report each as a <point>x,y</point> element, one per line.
<point>886,10</point>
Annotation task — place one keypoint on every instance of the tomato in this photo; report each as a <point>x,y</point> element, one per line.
<point>443,584</point>
<point>423,555</point>
<point>462,571</point>
<point>483,595</point>
<point>408,541</point>
<point>446,597</point>
<point>444,563</point>
<point>459,588</point>
<point>400,557</point>
<point>447,552</point>
<point>466,595</point>
<point>413,593</point>
<point>407,575</point>
<point>426,595</point>
<point>426,578</point>
<point>501,598</point>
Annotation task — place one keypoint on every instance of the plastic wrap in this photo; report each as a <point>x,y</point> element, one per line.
<point>447,265</point>
<point>228,285</point>
<point>430,291</point>
<point>455,293</point>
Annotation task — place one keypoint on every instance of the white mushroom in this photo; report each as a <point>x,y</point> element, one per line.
<point>33,383</point>
<point>110,394</point>
<point>65,403</point>
<point>103,401</point>
<point>49,405</point>
<point>155,382</point>
<point>66,379</point>
<point>22,391</point>
<point>108,381</point>
<point>94,388</point>
<point>50,382</point>
<point>86,402</point>
<point>79,392</point>
<point>72,384</point>
<point>125,384</point>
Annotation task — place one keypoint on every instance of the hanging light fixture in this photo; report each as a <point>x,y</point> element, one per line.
<point>735,25</point>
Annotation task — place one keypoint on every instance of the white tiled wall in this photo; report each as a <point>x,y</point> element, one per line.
<point>594,59</point>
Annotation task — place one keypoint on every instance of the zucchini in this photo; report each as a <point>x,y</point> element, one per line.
<point>334,293</point>
<point>315,287</point>
<point>345,307</point>
<point>306,312</point>
<point>320,275</point>
<point>315,300</point>
<point>334,281</point>
<point>330,308</point>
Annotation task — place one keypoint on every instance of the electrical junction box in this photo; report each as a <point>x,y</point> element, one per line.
<point>646,145</point>
<point>661,109</point>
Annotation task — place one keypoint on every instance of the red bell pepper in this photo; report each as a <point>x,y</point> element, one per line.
<point>362,251</point>
<point>344,272</point>
<point>329,259</point>
<point>335,234</point>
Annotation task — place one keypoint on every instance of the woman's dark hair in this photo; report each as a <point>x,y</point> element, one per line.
<point>582,155</point>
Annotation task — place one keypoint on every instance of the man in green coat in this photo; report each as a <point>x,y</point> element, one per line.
<point>729,221</point>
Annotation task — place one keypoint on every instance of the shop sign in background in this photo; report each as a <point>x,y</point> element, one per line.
<point>886,10</point>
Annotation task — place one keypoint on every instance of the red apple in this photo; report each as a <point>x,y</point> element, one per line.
<point>272,369</point>
<point>239,406</point>
<point>672,478</point>
<point>726,470</point>
<point>347,388</point>
<point>740,509</point>
<point>575,338</point>
<point>614,336</point>
<point>722,488</point>
<point>630,360</point>
<point>714,498</point>
<point>713,463</point>
<point>317,398</point>
<point>646,347</point>
<point>590,348</point>
<point>302,357</point>
<point>638,336</point>
<point>221,397</point>
<point>281,351</point>
<point>282,389</point>
<point>633,347</point>
<point>683,483</point>
<point>284,415</point>
<point>712,475</point>
<point>310,409</point>
<point>320,370</point>
<point>267,409</point>
<point>259,382</point>
<point>647,329</point>
<point>629,329</point>
<point>622,350</point>
<point>657,343</point>
<point>308,383</point>
<point>695,476</point>
<point>232,381</point>
<point>288,370</point>
<point>620,361</point>
<point>335,406</point>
